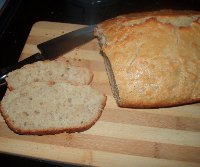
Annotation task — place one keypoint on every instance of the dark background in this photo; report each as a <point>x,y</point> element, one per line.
<point>18,16</point>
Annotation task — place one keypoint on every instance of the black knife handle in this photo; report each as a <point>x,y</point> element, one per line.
<point>4,72</point>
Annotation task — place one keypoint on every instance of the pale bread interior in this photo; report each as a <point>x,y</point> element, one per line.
<point>43,107</point>
<point>49,71</point>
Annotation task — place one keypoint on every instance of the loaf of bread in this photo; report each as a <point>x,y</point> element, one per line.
<point>153,58</point>
<point>41,108</point>
<point>49,71</point>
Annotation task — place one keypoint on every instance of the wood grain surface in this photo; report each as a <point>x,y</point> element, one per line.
<point>122,136</point>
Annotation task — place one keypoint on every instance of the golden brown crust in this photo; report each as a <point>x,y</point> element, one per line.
<point>154,57</point>
<point>157,105</point>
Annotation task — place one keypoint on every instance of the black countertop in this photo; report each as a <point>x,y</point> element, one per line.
<point>18,17</point>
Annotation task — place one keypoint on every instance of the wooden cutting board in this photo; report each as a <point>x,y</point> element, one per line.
<point>122,136</point>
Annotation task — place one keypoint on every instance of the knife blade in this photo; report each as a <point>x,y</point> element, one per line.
<point>53,48</point>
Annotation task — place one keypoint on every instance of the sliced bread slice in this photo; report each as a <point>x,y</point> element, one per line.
<point>43,108</point>
<point>49,71</point>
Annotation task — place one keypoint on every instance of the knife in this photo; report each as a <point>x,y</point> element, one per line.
<point>53,48</point>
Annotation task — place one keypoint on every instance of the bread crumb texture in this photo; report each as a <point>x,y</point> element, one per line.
<point>40,108</point>
<point>49,71</point>
<point>154,57</point>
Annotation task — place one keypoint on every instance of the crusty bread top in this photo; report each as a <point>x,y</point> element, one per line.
<point>43,108</point>
<point>155,57</point>
<point>116,30</point>
<point>50,71</point>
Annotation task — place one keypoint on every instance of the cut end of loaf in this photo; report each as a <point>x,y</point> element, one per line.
<point>39,108</point>
<point>111,78</point>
